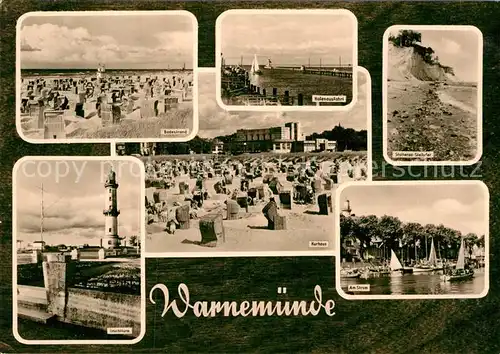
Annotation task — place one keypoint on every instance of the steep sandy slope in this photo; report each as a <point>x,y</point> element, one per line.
<point>404,64</point>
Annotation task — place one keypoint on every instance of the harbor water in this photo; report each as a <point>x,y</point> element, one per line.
<point>296,82</point>
<point>308,84</point>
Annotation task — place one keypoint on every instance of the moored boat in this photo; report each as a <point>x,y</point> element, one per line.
<point>432,264</point>
<point>422,268</point>
<point>384,271</point>
<point>396,267</point>
<point>349,273</point>
<point>407,270</point>
<point>460,272</point>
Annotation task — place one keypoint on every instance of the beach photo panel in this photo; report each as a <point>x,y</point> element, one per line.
<point>102,76</point>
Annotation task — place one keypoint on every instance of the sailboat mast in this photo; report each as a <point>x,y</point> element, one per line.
<point>41,216</point>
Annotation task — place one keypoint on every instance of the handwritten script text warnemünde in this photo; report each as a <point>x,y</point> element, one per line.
<point>245,308</point>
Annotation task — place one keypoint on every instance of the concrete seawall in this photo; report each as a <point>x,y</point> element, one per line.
<point>89,308</point>
<point>104,310</point>
<point>58,300</point>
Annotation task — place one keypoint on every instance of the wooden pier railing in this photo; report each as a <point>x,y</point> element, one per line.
<point>242,90</point>
<point>237,87</point>
<point>327,72</point>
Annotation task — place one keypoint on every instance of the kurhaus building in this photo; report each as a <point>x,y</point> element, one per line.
<point>282,139</point>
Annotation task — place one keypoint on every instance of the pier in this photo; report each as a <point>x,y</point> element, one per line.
<point>337,72</point>
<point>242,86</point>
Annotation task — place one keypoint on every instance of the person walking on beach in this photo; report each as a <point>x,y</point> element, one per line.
<point>334,171</point>
<point>270,211</point>
<point>357,173</point>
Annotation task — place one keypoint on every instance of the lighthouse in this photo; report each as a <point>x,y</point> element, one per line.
<point>111,212</point>
<point>346,210</point>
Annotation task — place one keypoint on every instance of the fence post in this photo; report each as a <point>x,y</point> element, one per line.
<point>36,256</point>
<point>57,271</point>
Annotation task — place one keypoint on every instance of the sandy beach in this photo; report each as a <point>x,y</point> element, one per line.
<point>249,232</point>
<point>432,116</point>
<point>118,105</point>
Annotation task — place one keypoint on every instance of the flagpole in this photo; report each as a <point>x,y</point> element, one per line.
<point>41,217</point>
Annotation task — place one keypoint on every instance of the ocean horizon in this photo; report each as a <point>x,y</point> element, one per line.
<point>83,71</point>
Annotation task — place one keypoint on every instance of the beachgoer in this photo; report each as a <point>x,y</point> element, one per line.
<point>270,211</point>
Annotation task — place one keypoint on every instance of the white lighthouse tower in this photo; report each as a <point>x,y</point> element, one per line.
<point>346,210</point>
<point>111,212</point>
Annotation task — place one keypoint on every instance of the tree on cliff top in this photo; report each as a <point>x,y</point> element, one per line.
<point>406,38</point>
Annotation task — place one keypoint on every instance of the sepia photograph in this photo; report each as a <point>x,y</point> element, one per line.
<point>253,182</point>
<point>77,245</point>
<point>286,59</point>
<point>419,239</point>
<point>432,82</point>
<point>101,76</point>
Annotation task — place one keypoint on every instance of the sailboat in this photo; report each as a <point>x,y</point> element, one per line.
<point>269,64</point>
<point>431,264</point>
<point>433,260</point>
<point>459,273</point>
<point>397,267</point>
<point>255,69</point>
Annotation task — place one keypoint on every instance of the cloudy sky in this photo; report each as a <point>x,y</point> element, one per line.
<point>457,48</point>
<point>288,38</point>
<point>120,42</point>
<point>461,207</point>
<point>214,121</point>
<point>74,204</point>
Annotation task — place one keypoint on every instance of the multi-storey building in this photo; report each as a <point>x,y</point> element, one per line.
<point>282,139</point>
